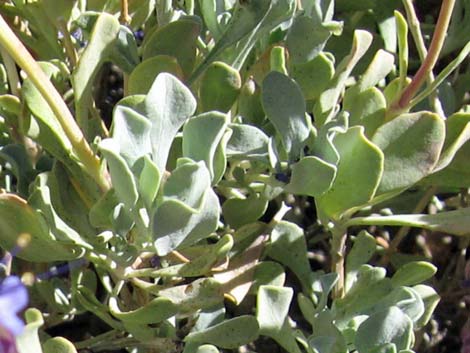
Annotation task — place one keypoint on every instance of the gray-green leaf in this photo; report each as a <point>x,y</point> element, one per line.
<point>358,176</point>
<point>229,334</point>
<point>388,326</point>
<point>284,105</point>
<point>411,144</point>
<point>168,105</point>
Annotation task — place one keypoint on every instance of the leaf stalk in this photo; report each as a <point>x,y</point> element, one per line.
<point>338,250</point>
<point>10,42</point>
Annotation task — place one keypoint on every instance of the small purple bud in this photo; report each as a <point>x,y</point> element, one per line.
<point>77,34</point>
<point>155,261</point>
<point>283,177</point>
<point>139,35</point>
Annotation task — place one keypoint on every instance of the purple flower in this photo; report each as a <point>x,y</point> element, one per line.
<point>13,299</point>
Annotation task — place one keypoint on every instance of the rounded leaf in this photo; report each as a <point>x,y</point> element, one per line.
<point>219,87</point>
<point>229,334</point>
<point>58,345</point>
<point>142,77</point>
<point>388,326</point>
<point>413,273</point>
<point>411,144</point>
<point>19,218</point>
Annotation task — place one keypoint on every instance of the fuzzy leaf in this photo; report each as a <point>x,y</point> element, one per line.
<point>314,76</point>
<point>289,248</point>
<point>68,202</point>
<point>59,345</point>
<point>244,20</point>
<point>184,34</point>
<point>19,218</point>
<point>285,107</point>
<point>362,251</point>
<point>326,337</point>
<point>366,108</point>
<point>43,126</point>
<point>148,179</point>
<point>203,293</point>
<point>358,175</point>
<point>451,169</point>
<point>214,13</point>
<point>430,299</point>
<point>201,137</point>
<point>247,141</point>
<point>168,105</point>
<point>380,66</point>
<point>267,273</point>
<point>131,131</point>
<point>190,209</point>
<point>155,311</point>
<point>388,326</point>
<point>121,175</point>
<point>411,144</point>
<point>272,310</point>
<point>207,348</point>
<point>306,39</point>
<point>145,73</point>
<point>219,87</point>
<point>125,51</point>
<point>311,176</point>
<point>238,212</point>
<point>329,98</point>
<point>231,333</point>
<point>413,273</point>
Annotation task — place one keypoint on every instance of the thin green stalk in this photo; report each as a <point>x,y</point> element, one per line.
<point>338,249</point>
<point>403,231</point>
<point>125,79</point>
<point>430,61</point>
<point>23,58</point>
<point>12,73</point>
<point>403,49</point>
<point>124,18</point>
<point>189,7</point>
<point>68,45</point>
<point>415,29</point>
<point>104,337</point>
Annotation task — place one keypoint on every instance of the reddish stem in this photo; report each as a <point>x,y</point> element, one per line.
<point>433,55</point>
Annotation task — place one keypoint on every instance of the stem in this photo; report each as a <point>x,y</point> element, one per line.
<point>189,7</point>
<point>124,18</point>
<point>415,29</point>
<point>430,60</point>
<point>125,86</point>
<point>104,337</point>
<point>338,248</point>
<point>12,73</point>
<point>24,59</point>
<point>403,231</point>
<point>68,45</point>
